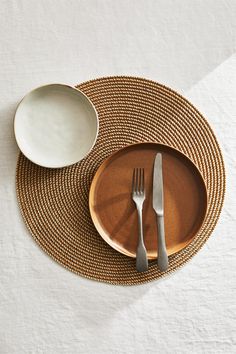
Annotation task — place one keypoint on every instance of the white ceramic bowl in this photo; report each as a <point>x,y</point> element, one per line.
<point>56,125</point>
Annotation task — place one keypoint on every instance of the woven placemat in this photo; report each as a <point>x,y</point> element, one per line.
<point>54,202</point>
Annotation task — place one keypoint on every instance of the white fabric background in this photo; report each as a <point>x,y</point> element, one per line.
<point>186,44</point>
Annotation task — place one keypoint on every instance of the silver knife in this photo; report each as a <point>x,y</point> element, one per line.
<point>158,206</point>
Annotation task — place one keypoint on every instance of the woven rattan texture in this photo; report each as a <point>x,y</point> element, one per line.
<point>54,202</point>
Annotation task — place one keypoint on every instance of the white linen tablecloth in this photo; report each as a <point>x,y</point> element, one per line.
<point>188,45</point>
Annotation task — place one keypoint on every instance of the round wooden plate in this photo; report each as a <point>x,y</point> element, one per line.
<point>113,211</point>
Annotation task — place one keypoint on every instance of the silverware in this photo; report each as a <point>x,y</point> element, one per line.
<point>138,195</point>
<point>158,206</point>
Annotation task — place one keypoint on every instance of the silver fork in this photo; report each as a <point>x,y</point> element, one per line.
<point>138,195</point>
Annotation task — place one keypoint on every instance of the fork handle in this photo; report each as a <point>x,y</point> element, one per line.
<point>141,254</point>
<point>162,253</point>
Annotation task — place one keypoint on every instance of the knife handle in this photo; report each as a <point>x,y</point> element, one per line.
<point>141,254</point>
<point>162,253</point>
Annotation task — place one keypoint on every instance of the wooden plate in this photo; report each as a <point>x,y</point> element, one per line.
<point>113,211</point>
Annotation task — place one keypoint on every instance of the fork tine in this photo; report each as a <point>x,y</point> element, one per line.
<point>142,181</point>
<point>139,184</point>
<point>138,181</point>
<point>134,183</point>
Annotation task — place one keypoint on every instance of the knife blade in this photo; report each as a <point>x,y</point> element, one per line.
<point>158,206</point>
<point>158,203</point>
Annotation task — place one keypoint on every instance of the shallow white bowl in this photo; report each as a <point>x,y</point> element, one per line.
<point>55,125</point>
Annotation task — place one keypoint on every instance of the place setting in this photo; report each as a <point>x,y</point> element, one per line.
<point>119,179</point>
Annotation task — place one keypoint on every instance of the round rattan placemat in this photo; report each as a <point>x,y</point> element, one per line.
<point>54,202</point>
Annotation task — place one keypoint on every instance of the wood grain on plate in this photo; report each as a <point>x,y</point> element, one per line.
<point>114,213</point>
